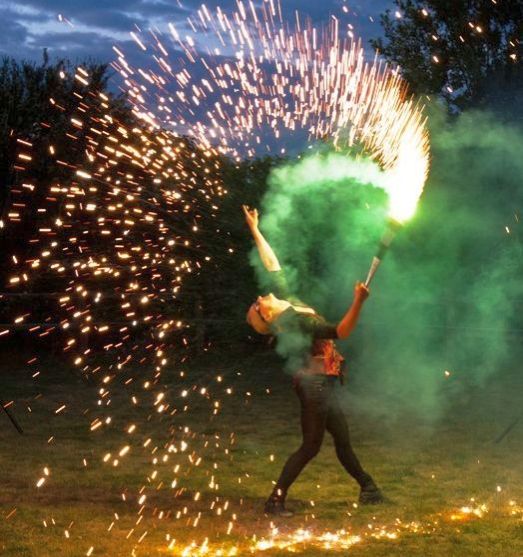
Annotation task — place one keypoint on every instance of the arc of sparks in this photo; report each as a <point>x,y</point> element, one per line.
<point>264,77</point>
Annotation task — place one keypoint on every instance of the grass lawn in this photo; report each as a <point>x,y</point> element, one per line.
<point>194,477</point>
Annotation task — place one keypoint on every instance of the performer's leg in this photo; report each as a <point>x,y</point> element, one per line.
<point>337,426</point>
<point>312,392</point>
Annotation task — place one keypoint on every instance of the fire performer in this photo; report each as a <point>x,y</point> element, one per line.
<point>309,339</point>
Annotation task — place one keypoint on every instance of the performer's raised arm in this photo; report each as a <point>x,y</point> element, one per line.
<point>267,255</point>
<point>349,320</point>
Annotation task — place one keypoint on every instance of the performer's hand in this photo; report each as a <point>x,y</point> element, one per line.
<point>251,216</point>
<point>361,292</point>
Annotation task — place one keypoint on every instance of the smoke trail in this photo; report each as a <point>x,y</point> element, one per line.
<point>313,202</point>
<point>447,297</point>
<point>304,215</point>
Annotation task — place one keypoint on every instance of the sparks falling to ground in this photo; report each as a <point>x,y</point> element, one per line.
<point>294,541</point>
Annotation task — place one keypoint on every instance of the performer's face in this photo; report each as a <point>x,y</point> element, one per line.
<point>261,313</point>
<point>264,305</point>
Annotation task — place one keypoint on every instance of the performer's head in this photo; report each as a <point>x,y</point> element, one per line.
<point>263,312</point>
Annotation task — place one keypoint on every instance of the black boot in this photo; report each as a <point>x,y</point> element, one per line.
<point>370,494</point>
<point>275,505</point>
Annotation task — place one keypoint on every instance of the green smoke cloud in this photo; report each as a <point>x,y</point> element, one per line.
<point>446,296</point>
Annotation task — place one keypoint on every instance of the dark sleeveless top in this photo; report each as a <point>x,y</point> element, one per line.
<point>305,339</point>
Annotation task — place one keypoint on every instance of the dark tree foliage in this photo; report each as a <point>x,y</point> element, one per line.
<point>36,106</point>
<point>39,104</point>
<point>463,50</point>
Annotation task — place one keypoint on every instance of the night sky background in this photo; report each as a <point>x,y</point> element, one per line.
<point>81,29</point>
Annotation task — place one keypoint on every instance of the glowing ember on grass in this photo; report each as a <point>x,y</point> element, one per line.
<point>294,541</point>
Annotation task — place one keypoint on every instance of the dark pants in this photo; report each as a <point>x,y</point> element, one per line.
<point>320,411</point>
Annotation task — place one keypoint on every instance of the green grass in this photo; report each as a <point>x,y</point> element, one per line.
<point>428,471</point>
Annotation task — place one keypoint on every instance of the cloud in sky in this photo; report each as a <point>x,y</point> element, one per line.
<point>92,27</point>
